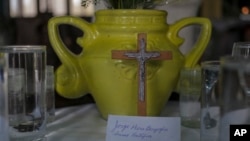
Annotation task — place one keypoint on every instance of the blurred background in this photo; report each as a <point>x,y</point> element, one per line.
<point>25,22</point>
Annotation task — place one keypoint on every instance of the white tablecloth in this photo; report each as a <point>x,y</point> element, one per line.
<point>85,123</point>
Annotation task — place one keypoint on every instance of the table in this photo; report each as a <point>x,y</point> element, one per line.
<point>84,122</point>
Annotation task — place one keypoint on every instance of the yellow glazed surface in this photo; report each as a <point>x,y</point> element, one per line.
<point>113,83</point>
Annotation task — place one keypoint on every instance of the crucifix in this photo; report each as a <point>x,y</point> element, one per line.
<point>141,55</point>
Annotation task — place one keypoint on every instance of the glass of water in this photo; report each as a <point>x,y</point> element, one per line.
<point>26,91</point>
<point>189,87</point>
<point>4,126</point>
<point>210,106</point>
<point>235,94</point>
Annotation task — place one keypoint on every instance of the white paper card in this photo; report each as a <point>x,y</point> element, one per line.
<point>136,128</point>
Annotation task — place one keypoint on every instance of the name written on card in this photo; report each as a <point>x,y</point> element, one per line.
<point>134,128</point>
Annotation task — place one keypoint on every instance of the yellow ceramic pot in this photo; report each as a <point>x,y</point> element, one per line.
<point>113,83</point>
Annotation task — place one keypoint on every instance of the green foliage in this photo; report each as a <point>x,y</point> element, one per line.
<point>127,4</point>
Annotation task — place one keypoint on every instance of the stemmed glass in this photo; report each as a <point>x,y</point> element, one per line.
<point>210,100</point>
<point>210,78</point>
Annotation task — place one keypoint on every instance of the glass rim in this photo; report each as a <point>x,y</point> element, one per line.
<point>241,44</point>
<point>210,62</point>
<point>190,70</point>
<point>22,48</point>
<point>211,65</point>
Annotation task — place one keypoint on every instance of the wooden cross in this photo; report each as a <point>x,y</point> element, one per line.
<point>141,55</point>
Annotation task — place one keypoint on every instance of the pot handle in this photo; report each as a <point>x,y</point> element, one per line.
<point>193,56</point>
<point>70,82</point>
<point>61,50</point>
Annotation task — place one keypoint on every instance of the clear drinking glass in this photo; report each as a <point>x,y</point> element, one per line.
<point>210,106</point>
<point>50,93</point>
<point>241,49</point>
<point>29,123</point>
<point>4,126</point>
<point>189,87</point>
<point>235,93</point>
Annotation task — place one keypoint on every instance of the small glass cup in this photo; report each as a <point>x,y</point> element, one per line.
<point>50,93</point>
<point>241,49</point>
<point>189,87</point>
<point>210,102</point>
